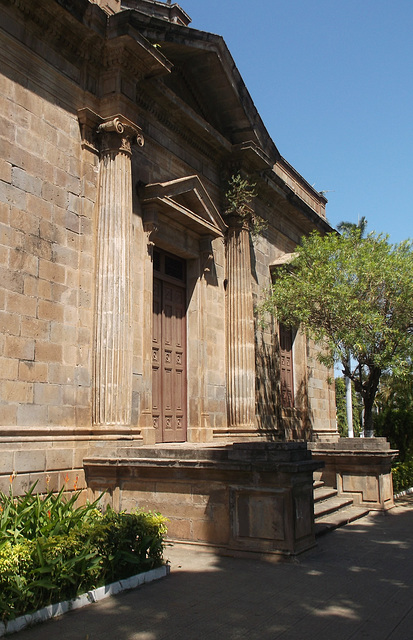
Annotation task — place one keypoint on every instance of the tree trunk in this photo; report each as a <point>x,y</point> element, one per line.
<point>369,393</point>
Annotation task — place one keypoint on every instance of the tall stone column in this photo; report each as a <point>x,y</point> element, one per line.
<point>240,329</point>
<point>112,388</point>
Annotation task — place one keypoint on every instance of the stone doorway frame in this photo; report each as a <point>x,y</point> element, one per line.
<point>171,212</point>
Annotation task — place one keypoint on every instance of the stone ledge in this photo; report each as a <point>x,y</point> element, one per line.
<point>351,444</point>
<point>224,465</point>
<point>252,497</point>
<point>288,456</point>
<point>359,468</point>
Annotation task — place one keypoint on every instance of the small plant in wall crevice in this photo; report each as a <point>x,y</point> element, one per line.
<point>239,195</point>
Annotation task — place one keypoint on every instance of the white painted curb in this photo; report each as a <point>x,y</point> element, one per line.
<point>54,610</point>
<point>403,493</point>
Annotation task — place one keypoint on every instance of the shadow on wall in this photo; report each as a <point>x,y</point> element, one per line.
<point>277,422</point>
<point>298,421</point>
<point>267,381</point>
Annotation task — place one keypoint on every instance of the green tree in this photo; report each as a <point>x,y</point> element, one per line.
<point>347,228</point>
<point>394,413</point>
<point>353,295</point>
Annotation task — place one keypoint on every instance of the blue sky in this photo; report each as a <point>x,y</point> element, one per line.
<point>332,82</point>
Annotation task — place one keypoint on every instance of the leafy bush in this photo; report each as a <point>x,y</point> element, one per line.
<point>32,515</point>
<point>128,543</point>
<point>51,550</point>
<point>402,476</point>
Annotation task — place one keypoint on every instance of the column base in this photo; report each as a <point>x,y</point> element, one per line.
<point>239,434</point>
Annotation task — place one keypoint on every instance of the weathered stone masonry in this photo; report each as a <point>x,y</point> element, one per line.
<point>119,129</point>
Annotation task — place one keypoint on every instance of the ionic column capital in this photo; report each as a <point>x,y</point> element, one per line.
<point>118,134</point>
<point>108,135</point>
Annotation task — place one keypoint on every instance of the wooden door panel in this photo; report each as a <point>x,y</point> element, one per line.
<point>167,390</point>
<point>169,362</point>
<point>179,390</point>
<point>156,358</point>
<point>156,401</point>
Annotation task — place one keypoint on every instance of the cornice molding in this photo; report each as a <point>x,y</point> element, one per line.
<point>82,38</point>
<point>80,32</point>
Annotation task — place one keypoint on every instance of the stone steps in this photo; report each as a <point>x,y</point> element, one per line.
<point>332,511</point>
<point>322,493</point>
<point>339,519</point>
<point>331,505</point>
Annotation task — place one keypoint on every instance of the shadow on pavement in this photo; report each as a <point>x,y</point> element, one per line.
<point>357,583</point>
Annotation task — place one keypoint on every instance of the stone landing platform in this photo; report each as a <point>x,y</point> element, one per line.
<point>239,498</point>
<point>358,468</point>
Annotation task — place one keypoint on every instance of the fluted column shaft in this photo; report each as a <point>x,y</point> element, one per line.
<point>112,389</point>
<point>240,330</point>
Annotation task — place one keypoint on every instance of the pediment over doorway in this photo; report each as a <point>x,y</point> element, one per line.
<point>187,201</point>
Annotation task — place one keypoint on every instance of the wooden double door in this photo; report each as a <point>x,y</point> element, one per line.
<point>169,380</point>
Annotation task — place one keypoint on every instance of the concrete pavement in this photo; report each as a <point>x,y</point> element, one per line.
<point>356,584</point>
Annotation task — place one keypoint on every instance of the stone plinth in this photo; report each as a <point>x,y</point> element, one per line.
<point>358,467</point>
<point>245,497</point>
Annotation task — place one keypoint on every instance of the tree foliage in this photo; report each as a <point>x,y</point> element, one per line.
<point>347,228</point>
<point>394,413</point>
<point>354,295</point>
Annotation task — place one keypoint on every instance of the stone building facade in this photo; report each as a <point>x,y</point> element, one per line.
<point>127,296</point>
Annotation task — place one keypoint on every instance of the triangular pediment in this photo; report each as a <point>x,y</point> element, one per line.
<point>187,201</point>
<point>205,77</point>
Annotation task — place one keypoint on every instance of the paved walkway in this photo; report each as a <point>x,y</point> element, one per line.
<point>357,584</point>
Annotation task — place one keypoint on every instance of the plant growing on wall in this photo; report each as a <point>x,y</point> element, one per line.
<point>239,195</point>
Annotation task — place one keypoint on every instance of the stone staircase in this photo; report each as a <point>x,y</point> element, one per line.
<point>332,511</point>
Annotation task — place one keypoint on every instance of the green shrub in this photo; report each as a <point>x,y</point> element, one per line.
<point>16,565</point>
<point>128,542</point>
<point>402,476</point>
<point>51,550</point>
<point>35,573</point>
<point>32,515</point>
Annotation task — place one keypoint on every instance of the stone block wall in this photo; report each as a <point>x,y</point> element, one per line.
<point>47,194</point>
<point>51,465</point>
<point>46,248</point>
<point>314,404</point>
<point>49,188</point>
<point>241,498</point>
